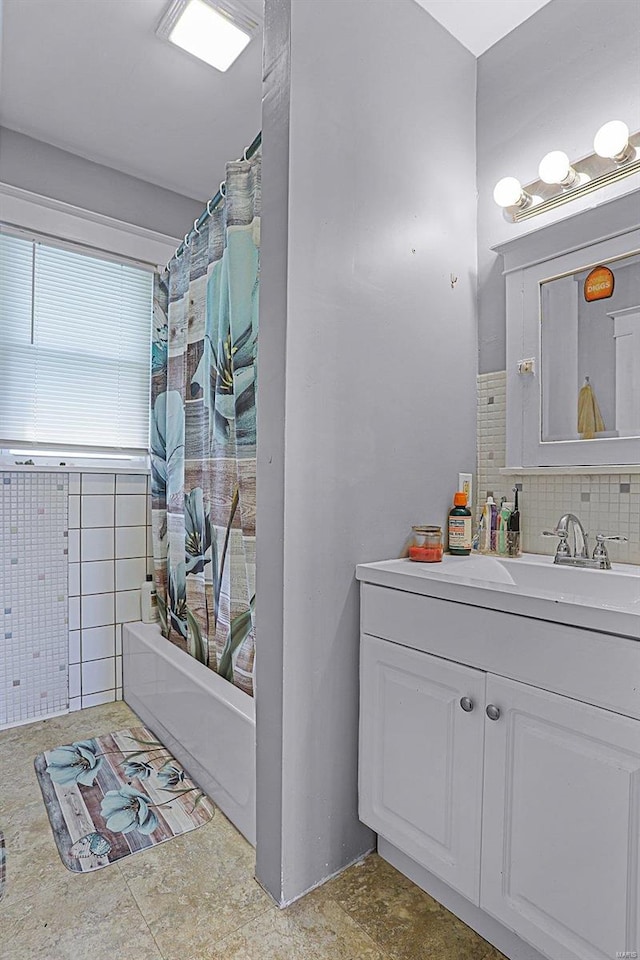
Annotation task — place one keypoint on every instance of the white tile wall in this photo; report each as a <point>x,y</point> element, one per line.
<point>97,544</point>
<point>94,588</point>
<point>131,510</point>
<point>110,564</point>
<point>98,676</point>
<point>606,503</point>
<point>130,571</point>
<point>33,596</point>
<point>98,642</point>
<point>74,546</point>
<point>97,511</point>
<point>97,576</point>
<point>131,542</point>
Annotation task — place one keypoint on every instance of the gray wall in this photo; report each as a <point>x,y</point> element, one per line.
<point>378,353</point>
<point>51,172</point>
<point>548,85</point>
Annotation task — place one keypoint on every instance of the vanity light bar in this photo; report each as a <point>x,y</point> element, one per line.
<point>576,179</point>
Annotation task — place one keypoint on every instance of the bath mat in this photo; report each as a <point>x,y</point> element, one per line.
<point>115,795</point>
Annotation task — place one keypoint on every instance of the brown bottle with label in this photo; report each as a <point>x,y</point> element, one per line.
<point>460,526</point>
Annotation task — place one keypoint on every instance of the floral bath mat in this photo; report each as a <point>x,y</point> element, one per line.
<point>117,794</point>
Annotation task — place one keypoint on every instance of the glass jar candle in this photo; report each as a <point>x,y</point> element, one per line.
<point>427,544</point>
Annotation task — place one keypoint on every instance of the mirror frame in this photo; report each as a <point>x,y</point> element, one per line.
<point>600,234</point>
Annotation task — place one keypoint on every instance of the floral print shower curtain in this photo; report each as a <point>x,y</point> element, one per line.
<point>203,434</point>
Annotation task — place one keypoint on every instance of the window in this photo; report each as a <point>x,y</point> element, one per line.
<point>75,337</point>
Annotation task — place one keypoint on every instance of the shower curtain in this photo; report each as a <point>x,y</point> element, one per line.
<point>203,434</point>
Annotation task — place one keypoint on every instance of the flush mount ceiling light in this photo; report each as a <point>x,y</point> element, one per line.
<point>216,31</point>
<point>617,155</point>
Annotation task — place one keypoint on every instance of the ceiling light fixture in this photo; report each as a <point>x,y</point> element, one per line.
<point>616,156</point>
<point>216,31</point>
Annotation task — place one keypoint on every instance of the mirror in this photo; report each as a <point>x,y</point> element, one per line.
<point>590,352</point>
<point>573,312</point>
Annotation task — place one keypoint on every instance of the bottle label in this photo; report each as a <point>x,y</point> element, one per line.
<point>460,533</point>
<point>154,599</point>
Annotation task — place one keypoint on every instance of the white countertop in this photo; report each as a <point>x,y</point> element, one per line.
<point>604,600</point>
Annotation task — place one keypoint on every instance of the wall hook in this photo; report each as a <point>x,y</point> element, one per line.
<point>454,280</point>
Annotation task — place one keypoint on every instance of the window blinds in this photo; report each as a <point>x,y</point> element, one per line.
<point>75,337</point>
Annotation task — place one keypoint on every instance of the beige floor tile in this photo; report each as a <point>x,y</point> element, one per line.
<point>315,928</point>
<point>77,916</point>
<point>196,889</point>
<point>20,785</point>
<point>407,923</point>
<point>215,851</point>
<point>192,923</point>
<point>32,855</point>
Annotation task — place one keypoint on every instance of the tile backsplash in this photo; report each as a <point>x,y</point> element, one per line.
<point>492,438</point>
<point>606,503</point>
<point>33,596</point>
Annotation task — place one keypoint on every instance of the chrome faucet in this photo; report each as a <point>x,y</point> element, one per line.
<point>579,555</point>
<point>570,522</point>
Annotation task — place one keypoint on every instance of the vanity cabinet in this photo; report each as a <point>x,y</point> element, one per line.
<point>421,758</point>
<point>527,802</point>
<point>561,823</point>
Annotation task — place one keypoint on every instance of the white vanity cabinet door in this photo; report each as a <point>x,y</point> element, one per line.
<point>421,758</point>
<point>561,823</point>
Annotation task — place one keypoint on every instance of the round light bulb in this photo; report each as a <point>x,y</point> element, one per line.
<point>508,192</point>
<point>611,140</point>
<point>554,167</point>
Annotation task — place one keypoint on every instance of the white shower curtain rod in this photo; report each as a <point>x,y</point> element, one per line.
<point>213,203</point>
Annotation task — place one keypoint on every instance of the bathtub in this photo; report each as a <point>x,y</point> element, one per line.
<point>207,723</point>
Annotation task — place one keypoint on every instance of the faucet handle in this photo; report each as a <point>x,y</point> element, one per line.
<point>600,551</point>
<point>563,547</point>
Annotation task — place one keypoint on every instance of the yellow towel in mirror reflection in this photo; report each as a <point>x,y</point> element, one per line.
<point>590,419</point>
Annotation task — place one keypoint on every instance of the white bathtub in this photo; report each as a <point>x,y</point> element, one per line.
<point>207,723</point>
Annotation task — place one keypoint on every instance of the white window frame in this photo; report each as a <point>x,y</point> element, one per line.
<point>42,219</point>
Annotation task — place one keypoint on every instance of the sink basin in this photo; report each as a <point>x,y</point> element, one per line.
<point>531,585</point>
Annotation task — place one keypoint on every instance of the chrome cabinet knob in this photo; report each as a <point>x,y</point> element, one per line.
<point>493,712</point>
<point>467,704</point>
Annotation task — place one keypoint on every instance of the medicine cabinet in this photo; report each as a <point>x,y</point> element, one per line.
<point>573,340</point>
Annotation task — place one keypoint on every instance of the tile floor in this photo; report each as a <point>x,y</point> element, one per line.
<point>193,898</point>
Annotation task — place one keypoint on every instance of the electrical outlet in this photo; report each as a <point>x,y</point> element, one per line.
<point>527,366</point>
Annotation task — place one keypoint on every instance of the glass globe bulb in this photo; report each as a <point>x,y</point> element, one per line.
<point>554,167</point>
<point>611,139</point>
<point>507,192</point>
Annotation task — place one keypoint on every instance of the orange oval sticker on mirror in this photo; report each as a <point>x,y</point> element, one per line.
<point>599,284</point>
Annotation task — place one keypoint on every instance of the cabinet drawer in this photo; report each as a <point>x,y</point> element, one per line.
<point>582,664</point>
